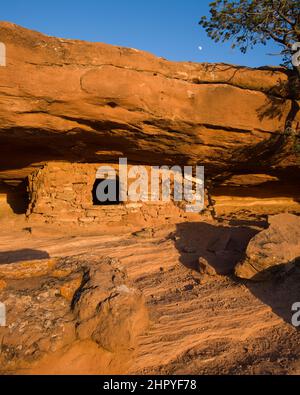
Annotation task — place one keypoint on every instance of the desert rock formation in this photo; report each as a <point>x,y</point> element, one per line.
<point>199,324</point>
<point>93,103</point>
<point>69,304</point>
<point>158,293</point>
<point>274,248</point>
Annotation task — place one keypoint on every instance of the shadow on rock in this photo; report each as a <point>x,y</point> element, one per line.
<point>280,291</point>
<point>216,250</point>
<point>220,248</point>
<point>22,255</point>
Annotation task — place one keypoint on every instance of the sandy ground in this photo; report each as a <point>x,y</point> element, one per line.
<point>200,324</point>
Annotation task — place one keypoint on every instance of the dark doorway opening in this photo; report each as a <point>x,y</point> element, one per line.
<point>17,195</point>
<point>107,190</point>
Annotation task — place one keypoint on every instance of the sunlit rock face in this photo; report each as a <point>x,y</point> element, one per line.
<point>81,101</point>
<point>75,101</point>
<point>272,249</point>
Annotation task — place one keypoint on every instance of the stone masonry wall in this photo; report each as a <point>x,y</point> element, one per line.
<point>62,193</point>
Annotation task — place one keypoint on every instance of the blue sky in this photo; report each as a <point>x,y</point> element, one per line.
<point>167,28</point>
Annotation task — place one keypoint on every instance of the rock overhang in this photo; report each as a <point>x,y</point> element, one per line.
<point>83,102</point>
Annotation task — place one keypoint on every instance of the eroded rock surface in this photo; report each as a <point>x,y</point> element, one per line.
<point>78,299</point>
<point>273,248</point>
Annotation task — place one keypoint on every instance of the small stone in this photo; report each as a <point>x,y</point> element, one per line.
<point>146,232</point>
<point>206,268</point>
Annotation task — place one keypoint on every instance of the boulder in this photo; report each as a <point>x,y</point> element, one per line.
<point>272,249</point>
<point>110,312</point>
<point>81,299</point>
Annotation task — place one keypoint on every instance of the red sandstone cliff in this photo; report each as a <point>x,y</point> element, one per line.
<point>90,102</point>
